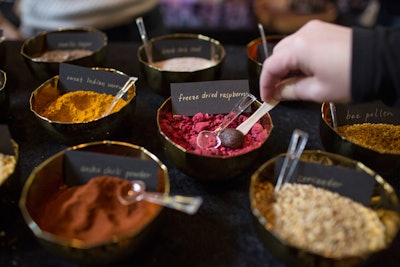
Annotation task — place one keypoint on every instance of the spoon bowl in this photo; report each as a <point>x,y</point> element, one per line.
<point>210,139</point>
<point>120,94</point>
<point>137,192</point>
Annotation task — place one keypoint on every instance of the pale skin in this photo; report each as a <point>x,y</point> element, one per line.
<point>317,58</point>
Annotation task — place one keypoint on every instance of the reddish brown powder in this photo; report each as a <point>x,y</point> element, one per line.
<point>93,213</point>
<point>183,130</point>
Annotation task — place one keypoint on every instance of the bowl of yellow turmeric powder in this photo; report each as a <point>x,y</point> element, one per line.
<point>76,117</point>
<point>83,46</point>
<point>376,144</point>
<point>95,229</point>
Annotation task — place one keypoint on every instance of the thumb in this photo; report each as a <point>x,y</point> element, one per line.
<point>286,89</point>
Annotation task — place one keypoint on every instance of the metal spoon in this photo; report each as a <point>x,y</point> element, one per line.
<point>263,39</point>
<point>143,36</point>
<point>120,94</point>
<point>333,115</point>
<point>189,205</point>
<point>210,139</point>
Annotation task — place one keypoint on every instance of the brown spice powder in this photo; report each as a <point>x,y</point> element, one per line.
<point>381,137</point>
<point>92,212</point>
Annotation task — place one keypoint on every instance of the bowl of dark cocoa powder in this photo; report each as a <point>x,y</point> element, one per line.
<point>83,221</point>
<point>84,46</point>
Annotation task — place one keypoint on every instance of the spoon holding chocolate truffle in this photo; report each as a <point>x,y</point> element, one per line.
<point>137,192</point>
<point>211,139</point>
<point>234,137</point>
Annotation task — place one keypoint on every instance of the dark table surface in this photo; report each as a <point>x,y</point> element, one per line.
<point>222,233</point>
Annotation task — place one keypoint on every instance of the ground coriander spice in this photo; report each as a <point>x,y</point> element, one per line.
<point>320,221</point>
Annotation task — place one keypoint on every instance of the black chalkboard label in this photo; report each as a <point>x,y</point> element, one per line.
<point>172,48</point>
<point>81,166</point>
<point>347,182</point>
<point>74,78</point>
<point>212,97</point>
<point>75,40</point>
<point>370,112</point>
<point>6,146</point>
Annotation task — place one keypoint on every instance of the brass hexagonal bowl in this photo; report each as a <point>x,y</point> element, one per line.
<point>80,132</point>
<point>386,164</point>
<point>210,168</point>
<point>383,200</point>
<point>44,70</point>
<point>48,177</point>
<point>159,80</point>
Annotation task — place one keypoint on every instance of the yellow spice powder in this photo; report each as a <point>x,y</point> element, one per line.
<point>80,106</point>
<point>381,137</point>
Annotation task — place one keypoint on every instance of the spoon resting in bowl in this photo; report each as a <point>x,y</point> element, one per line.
<point>211,139</point>
<point>233,137</point>
<point>120,94</point>
<point>137,192</point>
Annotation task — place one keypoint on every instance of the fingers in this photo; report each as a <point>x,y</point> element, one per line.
<point>276,68</point>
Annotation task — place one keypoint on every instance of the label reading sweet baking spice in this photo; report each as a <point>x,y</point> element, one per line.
<point>172,48</point>
<point>6,146</point>
<point>371,112</point>
<point>74,40</point>
<point>75,78</point>
<point>212,97</point>
<point>81,166</point>
<point>344,181</point>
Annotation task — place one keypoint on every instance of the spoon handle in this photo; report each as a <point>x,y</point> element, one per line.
<point>189,205</point>
<point>296,146</point>
<point>245,126</point>
<point>120,93</point>
<point>242,105</point>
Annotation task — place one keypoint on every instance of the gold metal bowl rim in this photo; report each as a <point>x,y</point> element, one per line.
<point>75,243</point>
<point>181,36</point>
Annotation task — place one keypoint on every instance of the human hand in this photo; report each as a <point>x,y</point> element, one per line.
<point>317,58</point>
<point>10,32</point>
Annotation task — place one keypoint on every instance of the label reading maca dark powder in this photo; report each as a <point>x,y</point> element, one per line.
<point>211,97</point>
<point>347,182</point>
<point>81,166</point>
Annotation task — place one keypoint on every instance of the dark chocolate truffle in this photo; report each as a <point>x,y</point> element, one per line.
<point>231,138</point>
